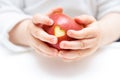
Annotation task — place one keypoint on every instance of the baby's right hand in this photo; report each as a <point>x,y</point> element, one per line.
<point>37,36</point>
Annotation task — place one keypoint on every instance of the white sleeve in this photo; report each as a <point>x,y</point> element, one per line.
<point>107,6</point>
<point>10,15</point>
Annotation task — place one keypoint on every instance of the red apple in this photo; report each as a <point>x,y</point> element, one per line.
<point>62,23</point>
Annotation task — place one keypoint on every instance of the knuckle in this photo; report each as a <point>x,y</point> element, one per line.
<point>83,44</point>
<point>36,18</point>
<point>36,33</point>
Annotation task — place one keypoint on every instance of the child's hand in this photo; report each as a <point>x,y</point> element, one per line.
<point>27,33</point>
<point>88,39</point>
<point>39,36</point>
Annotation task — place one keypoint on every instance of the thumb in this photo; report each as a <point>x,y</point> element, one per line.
<point>85,19</point>
<point>40,20</point>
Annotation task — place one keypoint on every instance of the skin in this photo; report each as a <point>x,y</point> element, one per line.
<point>90,39</point>
<point>95,35</point>
<point>27,33</point>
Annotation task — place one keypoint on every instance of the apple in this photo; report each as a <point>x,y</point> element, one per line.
<point>62,23</point>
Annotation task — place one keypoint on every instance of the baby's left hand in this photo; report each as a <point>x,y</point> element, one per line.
<point>88,39</point>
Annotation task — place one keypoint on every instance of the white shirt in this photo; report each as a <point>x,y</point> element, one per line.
<point>14,11</point>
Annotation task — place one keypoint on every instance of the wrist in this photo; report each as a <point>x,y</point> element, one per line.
<point>109,33</point>
<point>18,34</point>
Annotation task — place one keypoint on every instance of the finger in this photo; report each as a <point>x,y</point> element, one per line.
<point>76,54</point>
<point>72,60</point>
<point>41,46</point>
<point>55,10</point>
<point>79,44</point>
<point>42,53</point>
<point>69,55</point>
<point>42,19</point>
<point>89,32</point>
<point>85,19</point>
<point>40,34</point>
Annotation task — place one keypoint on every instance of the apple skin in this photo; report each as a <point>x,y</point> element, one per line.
<point>64,23</point>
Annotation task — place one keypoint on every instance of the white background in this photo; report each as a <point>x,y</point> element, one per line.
<point>103,65</point>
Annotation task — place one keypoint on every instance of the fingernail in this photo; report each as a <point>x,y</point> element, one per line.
<point>62,45</point>
<point>53,40</point>
<point>69,32</point>
<point>50,22</point>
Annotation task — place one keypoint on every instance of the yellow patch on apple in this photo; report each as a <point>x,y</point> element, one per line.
<point>58,32</point>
